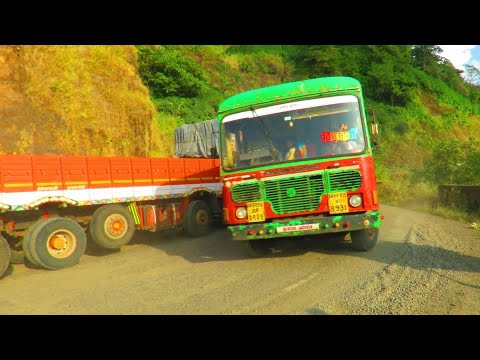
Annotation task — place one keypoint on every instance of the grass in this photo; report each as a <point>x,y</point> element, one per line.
<point>92,97</point>
<point>163,140</point>
<point>93,102</point>
<point>423,197</point>
<point>406,134</point>
<point>454,214</point>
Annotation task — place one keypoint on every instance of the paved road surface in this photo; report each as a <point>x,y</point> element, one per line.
<point>421,265</point>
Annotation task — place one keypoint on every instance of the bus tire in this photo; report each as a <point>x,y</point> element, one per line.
<point>57,243</point>
<point>365,239</point>
<point>198,219</point>
<point>333,240</point>
<point>257,248</point>
<point>112,226</point>
<point>4,255</point>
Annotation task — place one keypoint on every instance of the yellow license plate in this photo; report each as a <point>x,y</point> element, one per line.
<point>255,211</point>
<point>337,203</point>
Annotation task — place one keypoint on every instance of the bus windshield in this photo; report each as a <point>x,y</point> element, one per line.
<point>316,128</point>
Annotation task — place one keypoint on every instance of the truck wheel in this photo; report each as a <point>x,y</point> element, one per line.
<point>17,256</point>
<point>112,226</point>
<point>26,243</point>
<point>4,255</point>
<point>258,248</point>
<point>364,240</point>
<point>56,243</point>
<point>198,219</point>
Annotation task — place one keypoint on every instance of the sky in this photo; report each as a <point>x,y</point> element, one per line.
<point>462,54</point>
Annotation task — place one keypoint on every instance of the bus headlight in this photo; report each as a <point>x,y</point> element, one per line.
<point>355,200</point>
<point>241,213</point>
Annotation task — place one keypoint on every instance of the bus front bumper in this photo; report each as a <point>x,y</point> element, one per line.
<point>306,226</point>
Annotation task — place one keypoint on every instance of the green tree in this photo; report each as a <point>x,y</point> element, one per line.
<point>167,73</point>
<point>472,74</point>
<point>324,60</point>
<point>454,162</point>
<point>426,57</point>
<point>389,77</point>
<point>471,170</point>
<point>446,161</point>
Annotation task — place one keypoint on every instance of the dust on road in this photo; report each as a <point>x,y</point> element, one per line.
<point>422,264</point>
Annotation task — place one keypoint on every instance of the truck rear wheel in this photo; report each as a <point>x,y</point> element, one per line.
<point>56,243</point>
<point>4,255</point>
<point>17,256</point>
<point>26,243</point>
<point>16,252</point>
<point>364,240</point>
<point>112,226</point>
<point>198,219</point>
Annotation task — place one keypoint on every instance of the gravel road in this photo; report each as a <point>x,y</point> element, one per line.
<point>422,264</point>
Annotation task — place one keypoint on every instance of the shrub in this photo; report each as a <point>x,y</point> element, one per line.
<point>167,73</point>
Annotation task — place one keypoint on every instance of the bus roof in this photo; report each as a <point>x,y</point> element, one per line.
<point>292,90</point>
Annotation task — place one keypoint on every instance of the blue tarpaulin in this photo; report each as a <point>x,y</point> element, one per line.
<point>196,140</point>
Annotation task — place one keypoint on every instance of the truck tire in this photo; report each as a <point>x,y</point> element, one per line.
<point>16,252</point>
<point>198,219</point>
<point>112,226</point>
<point>258,248</point>
<point>364,240</point>
<point>4,255</point>
<point>26,243</point>
<point>17,256</point>
<point>56,243</point>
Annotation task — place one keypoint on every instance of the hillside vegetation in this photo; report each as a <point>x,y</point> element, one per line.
<point>74,100</point>
<point>127,100</point>
<point>429,116</point>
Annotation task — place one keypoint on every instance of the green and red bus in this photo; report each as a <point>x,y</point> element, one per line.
<point>296,159</point>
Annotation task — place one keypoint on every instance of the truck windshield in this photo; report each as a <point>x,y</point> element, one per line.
<point>317,128</point>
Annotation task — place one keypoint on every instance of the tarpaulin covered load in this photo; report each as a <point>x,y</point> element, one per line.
<point>197,140</point>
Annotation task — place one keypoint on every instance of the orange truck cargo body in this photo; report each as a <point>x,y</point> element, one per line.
<point>51,205</point>
<point>27,181</point>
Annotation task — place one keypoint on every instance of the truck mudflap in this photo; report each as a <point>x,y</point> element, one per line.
<point>306,226</point>
<point>4,255</point>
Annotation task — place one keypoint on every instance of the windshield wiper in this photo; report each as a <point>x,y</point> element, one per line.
<point>264,128</point>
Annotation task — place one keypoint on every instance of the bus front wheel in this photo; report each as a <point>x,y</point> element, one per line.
<point>365,239</point>
<point>258,248</point>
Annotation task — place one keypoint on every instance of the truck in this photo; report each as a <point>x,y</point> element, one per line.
<point>50,205</point>
<point>296,160</point>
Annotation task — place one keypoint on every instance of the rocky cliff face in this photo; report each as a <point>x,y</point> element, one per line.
<point>17,115</point>
<point>75,100</point>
